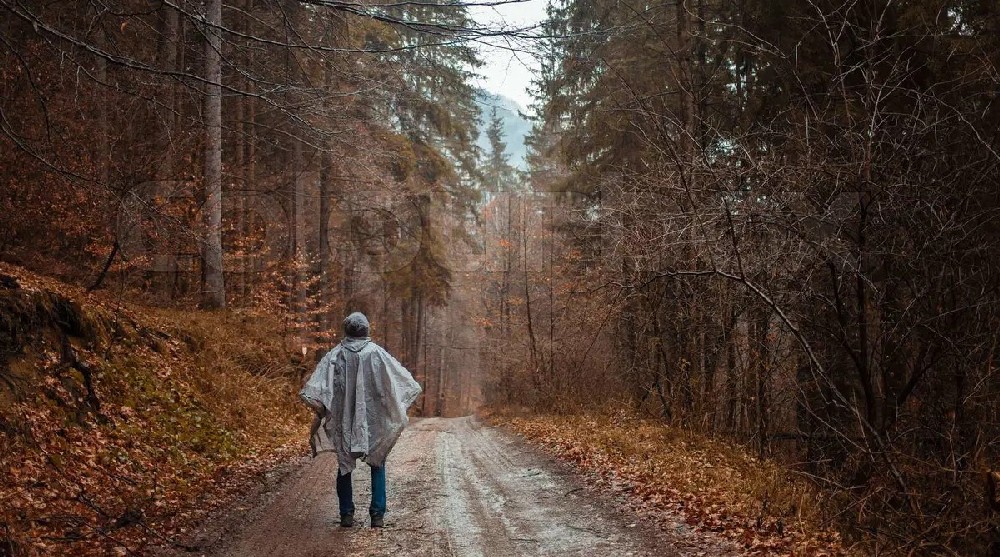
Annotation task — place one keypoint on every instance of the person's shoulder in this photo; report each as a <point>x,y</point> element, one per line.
<point>386,354</point>
<point>376,348</point>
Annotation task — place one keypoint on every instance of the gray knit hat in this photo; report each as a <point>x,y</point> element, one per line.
<point>356,325</point>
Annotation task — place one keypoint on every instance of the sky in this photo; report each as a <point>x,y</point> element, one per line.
<point>508,67</point>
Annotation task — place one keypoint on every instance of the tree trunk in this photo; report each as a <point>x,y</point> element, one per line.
<point>507,265</point>
<point>238,205</point>
<point>685,77</point>
<point>168,62</point>
<point>527,289</point>
<point>298,289</point>
<point>326,177</point>
<point>443,383</point>
<point>251,267</point>
<point>163,262</point>
<point>215,292</point>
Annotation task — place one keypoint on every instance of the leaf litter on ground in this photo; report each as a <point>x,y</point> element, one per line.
<point>180,420</point>
<point>664,472</point>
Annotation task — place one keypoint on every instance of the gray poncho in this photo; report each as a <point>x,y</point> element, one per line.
<point>362,394</point>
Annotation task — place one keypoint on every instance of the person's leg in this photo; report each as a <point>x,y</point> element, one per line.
<point>377,507</point>
<point>345,493</point>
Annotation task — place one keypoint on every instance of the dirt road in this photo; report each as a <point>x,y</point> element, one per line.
<point>455,488</point>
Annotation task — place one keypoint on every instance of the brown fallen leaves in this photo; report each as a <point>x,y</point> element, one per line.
<point>183,422</point>
<point>667,473</point>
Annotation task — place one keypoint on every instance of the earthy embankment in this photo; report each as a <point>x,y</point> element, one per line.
<point>121,425</point>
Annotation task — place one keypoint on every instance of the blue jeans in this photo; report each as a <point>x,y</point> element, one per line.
<point>345,492</point>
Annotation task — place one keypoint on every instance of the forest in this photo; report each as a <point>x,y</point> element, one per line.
<point>771,223</point>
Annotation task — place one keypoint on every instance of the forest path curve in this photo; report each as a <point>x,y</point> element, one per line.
<point>455,488</point>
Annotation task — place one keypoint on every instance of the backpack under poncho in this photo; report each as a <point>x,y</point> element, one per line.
<point>363,393</point>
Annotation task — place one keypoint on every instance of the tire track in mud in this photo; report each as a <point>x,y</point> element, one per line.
<point>455,489</point>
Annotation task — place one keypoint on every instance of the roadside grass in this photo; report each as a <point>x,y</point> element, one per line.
<point>183,410</point>
<point>666,473</point>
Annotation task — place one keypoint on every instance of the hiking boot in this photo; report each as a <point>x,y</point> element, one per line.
<point>378,521</point>
<point>347,520</point>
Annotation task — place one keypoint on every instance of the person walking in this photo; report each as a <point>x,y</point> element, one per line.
<point>360,394</point>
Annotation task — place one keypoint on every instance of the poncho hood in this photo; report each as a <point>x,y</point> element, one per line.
<point>355,344</point>
<point>363,394</point>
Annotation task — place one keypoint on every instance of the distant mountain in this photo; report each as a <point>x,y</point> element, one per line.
<point>515,126</point>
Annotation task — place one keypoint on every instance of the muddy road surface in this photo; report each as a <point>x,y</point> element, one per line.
<point>455,488</point>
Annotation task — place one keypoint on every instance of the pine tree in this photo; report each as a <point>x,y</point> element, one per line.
<point>498,175</point>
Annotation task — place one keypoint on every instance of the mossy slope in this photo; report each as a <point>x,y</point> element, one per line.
<point>120,424</point>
